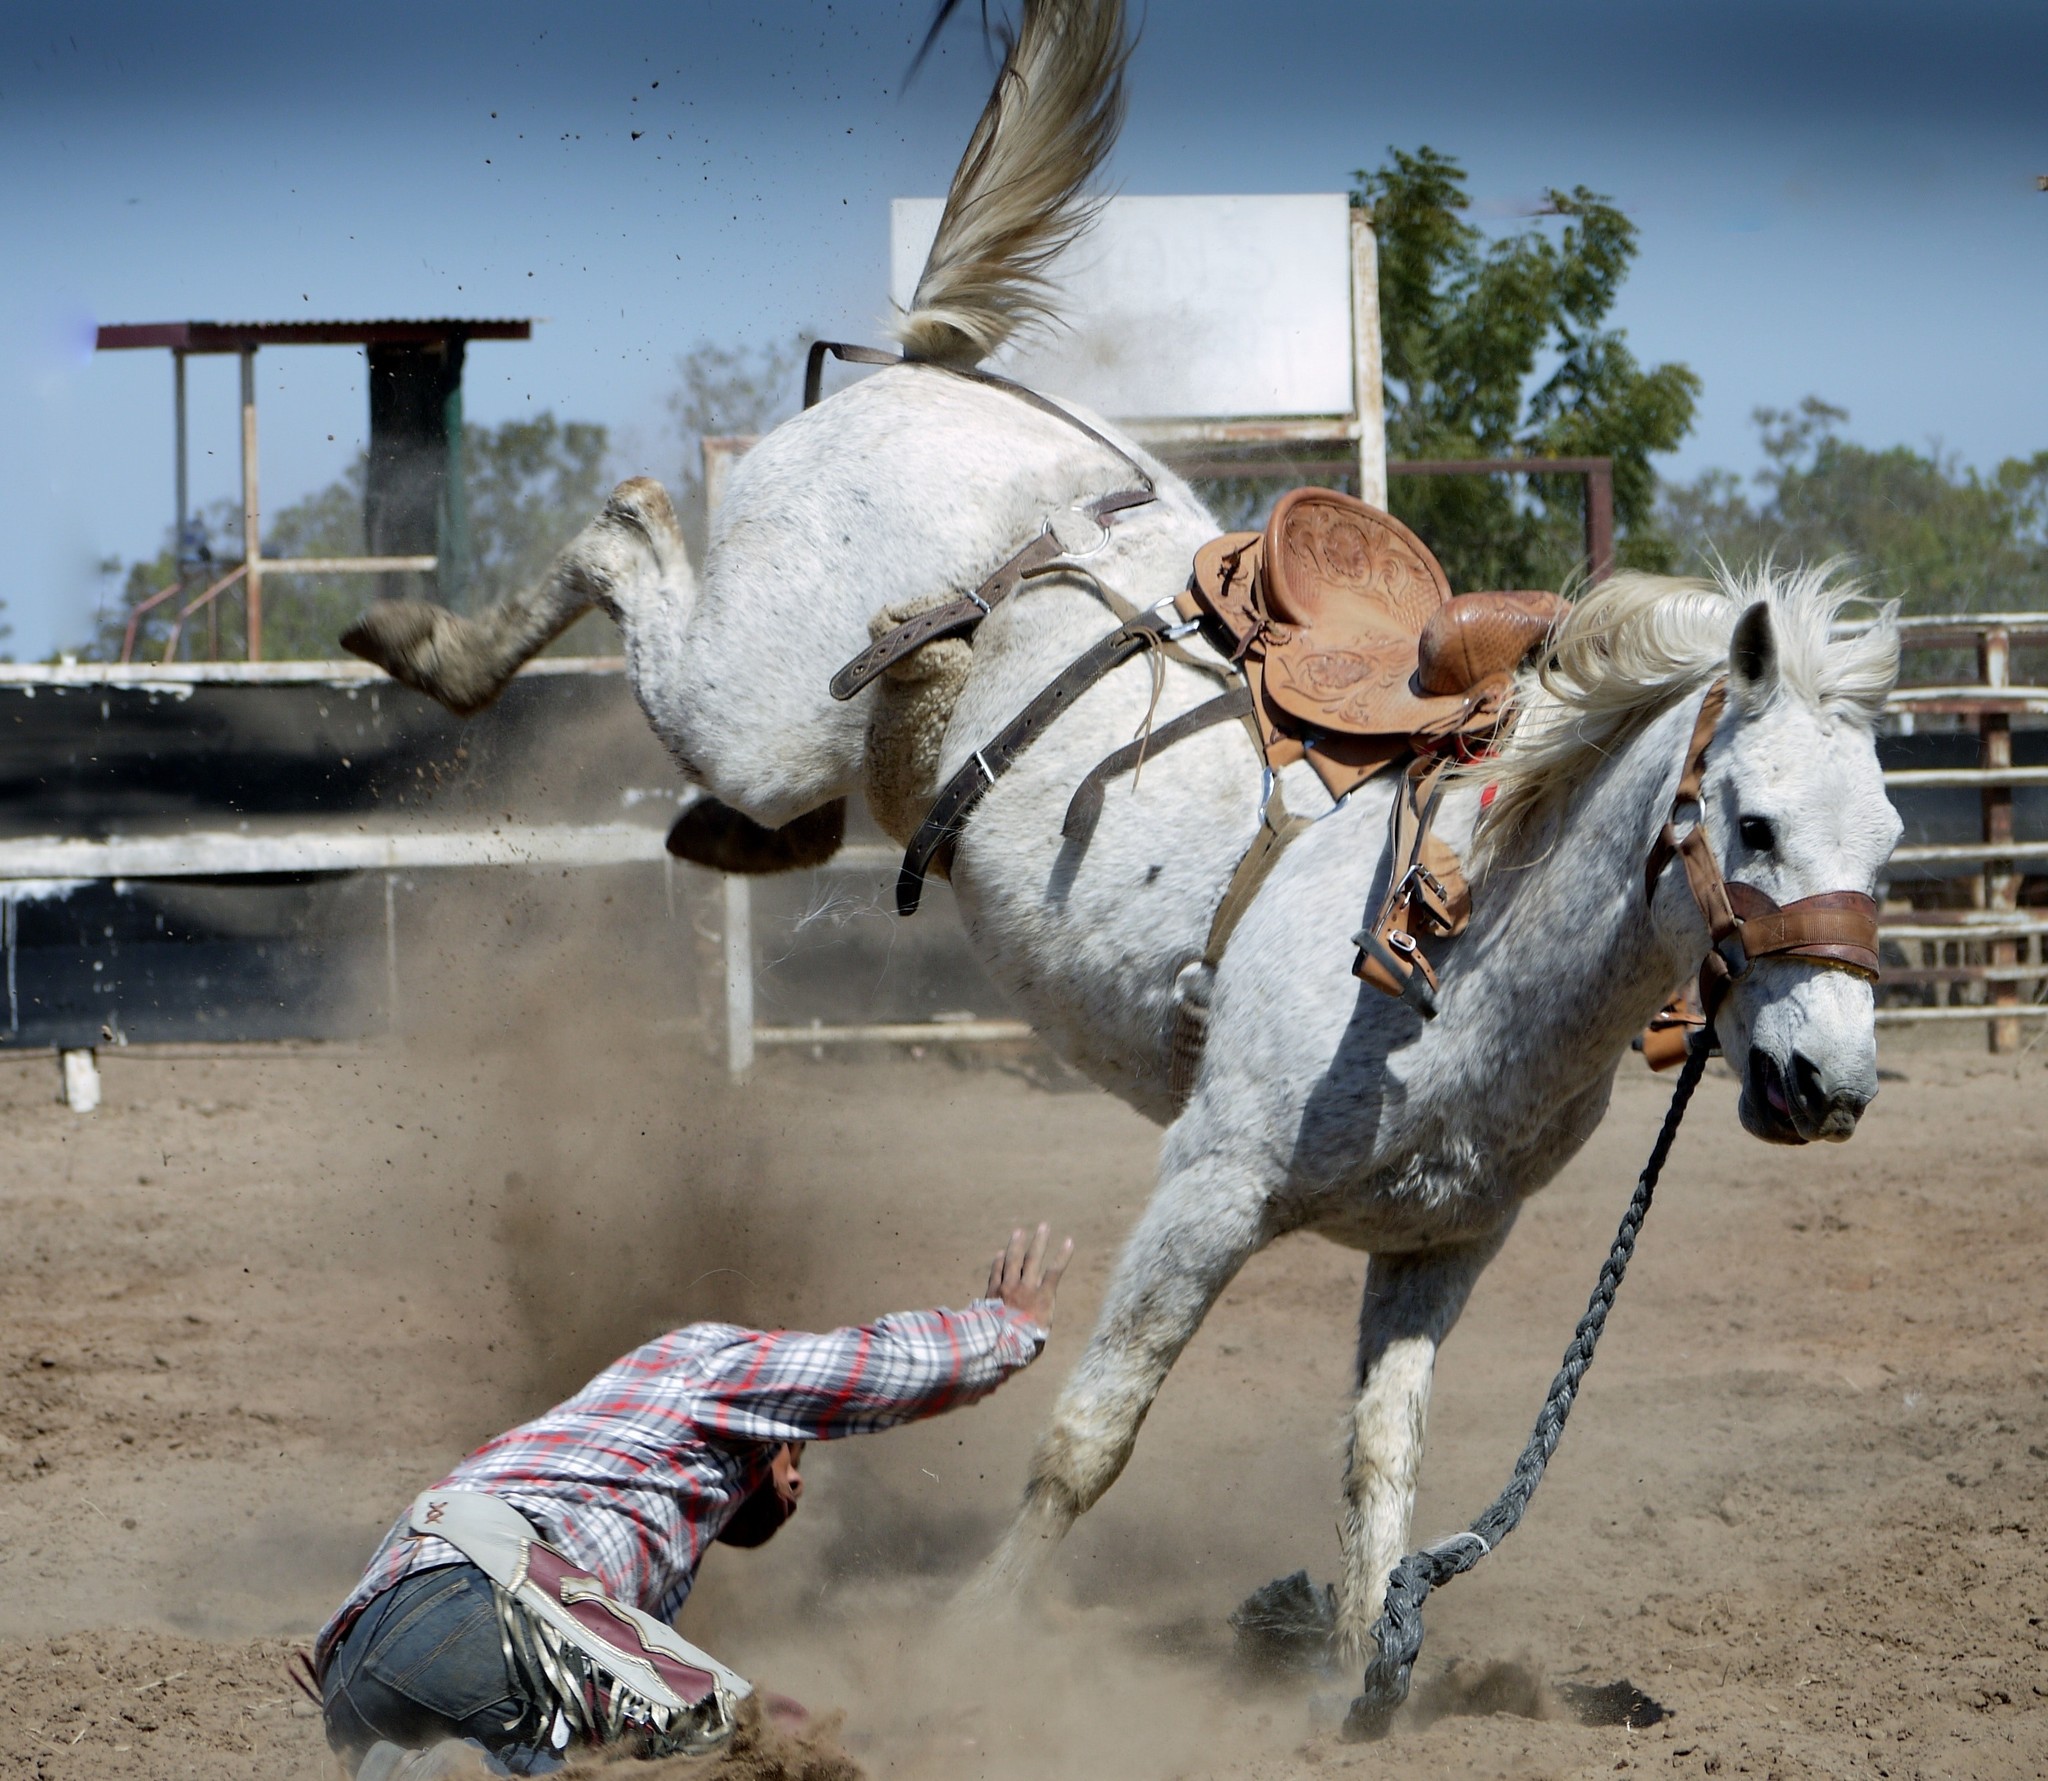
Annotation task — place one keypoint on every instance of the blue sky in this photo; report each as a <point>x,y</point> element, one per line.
<point>1833,198</point>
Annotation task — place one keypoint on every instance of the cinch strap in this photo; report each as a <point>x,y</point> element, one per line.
<point>932,846</point>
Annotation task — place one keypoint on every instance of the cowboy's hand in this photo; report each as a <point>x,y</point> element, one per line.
<point>1022,1277</point>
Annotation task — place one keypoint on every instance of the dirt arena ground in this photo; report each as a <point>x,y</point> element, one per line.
<point>255,1302</point>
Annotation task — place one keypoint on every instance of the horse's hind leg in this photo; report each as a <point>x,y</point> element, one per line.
<point>631,561</point>
<point>712,834</point>
<point>1411,1302</point>
<point>465,662</point>
<point>1204,1222</point>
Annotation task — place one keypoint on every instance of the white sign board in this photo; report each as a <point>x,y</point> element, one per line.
<point>1185,308</point>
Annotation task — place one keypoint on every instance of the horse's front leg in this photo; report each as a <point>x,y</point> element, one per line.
<point>1205,1220</point>
<point>1411,1302</point>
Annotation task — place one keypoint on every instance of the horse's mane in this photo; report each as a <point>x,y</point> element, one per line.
<point>1637,644</point>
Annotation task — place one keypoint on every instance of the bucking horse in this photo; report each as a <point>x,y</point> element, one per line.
<point>1740,706</point>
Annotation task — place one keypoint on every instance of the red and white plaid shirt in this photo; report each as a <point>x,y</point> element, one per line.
<point>633,1477</point>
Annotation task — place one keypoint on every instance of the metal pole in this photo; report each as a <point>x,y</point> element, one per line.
<point>739,975</point>
<point>2001,885</point>
<point>451,540</point>
<point>1368,392</point>
<point>252,549</point>
<point>1600,520</point>
<point>184,494</point>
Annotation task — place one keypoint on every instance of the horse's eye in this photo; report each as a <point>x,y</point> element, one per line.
<point>1758,835</point>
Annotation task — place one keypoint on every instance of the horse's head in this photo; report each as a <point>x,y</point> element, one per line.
<point>1794,806</point>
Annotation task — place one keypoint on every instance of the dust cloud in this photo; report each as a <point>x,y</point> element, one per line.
<point>265,1294</point>
<point>603,1189</point>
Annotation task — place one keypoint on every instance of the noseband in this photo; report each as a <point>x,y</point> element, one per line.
<point>1837,929</point>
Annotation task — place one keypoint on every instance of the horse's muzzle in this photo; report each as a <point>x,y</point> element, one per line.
<point>1799,1105</point>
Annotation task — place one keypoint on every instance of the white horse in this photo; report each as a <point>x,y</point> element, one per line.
<point>1320,1104</point>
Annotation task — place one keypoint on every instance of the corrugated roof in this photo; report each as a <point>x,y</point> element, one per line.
<point>241,336</point>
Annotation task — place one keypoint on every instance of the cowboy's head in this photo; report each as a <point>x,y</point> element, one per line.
<point>770,1503</point>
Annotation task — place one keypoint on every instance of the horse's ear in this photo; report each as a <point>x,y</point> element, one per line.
<point>1753,655</point>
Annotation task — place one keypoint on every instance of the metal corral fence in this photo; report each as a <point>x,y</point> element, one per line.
<point>1966,923</point>
<point>223,852</point>
<point>266,814</point>
<point>232,852</point>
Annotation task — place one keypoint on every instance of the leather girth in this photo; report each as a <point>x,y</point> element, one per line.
<point>1084,809</point>
<point>931,848</point>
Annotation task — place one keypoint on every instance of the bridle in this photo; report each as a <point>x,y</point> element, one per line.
<point>1836,929</point>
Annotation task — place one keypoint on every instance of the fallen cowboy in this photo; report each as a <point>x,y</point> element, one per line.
<point>521,1607</point>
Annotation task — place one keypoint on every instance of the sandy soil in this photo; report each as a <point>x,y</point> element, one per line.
<point>248,1308</point>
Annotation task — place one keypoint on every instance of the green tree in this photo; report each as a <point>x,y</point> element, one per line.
<point>1926,530</point>
<point>129,586</point>
<point>1502,349</point>
<point>304,614</point>
<point>722,391</point>
<point>531,486</point>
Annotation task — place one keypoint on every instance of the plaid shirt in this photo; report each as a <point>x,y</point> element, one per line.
<point>633,1477</point>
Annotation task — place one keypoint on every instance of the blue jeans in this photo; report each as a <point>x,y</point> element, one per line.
<point>424,1662</point>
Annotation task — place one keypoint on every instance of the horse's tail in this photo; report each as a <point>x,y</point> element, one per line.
<point>1018,197</point>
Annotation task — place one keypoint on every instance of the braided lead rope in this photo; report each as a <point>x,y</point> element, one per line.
<point>1399,1628</point>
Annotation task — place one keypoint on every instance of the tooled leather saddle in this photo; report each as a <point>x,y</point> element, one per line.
<point>1356,655</point>
<point>1354,647</point>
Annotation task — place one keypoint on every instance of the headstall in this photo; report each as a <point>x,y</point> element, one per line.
<point>1832,928</point>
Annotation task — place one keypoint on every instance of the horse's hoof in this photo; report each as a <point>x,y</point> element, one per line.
<point>645,503</point>
<point>712,834</point>
<point>427,648</point>
<point>1285,1627</point>
<point>393,633</point>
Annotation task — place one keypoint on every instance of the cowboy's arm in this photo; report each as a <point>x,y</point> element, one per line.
<point>790,1386</point>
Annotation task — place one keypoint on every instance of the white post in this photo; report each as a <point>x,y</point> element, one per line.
<point>719,454</point>
<point>81,1080</point>
<point>739,975</point>
<point>391,952</point>
<point>1368,393</point>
